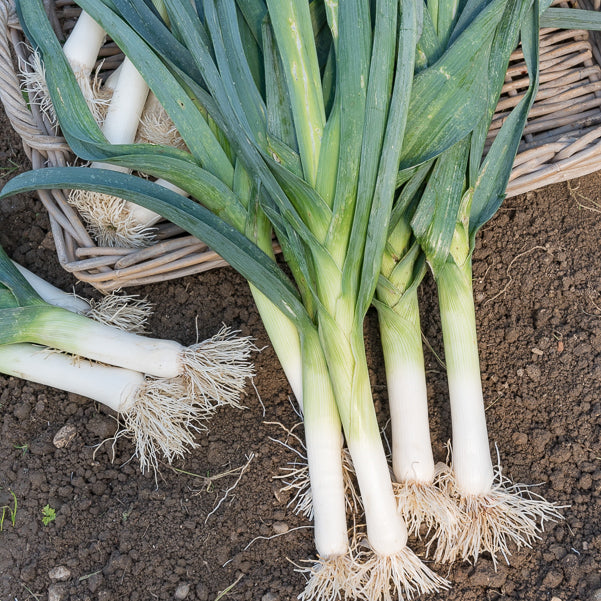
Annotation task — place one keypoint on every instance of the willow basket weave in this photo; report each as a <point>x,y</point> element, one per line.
<point>562,141</point>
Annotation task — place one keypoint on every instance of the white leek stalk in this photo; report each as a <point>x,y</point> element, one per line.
<point>416,476</point>
<point>285,340</point>
<point>419,498</point>
<point>81,50</point>
<point>156,413</point>
<point>53,295</point>
<point>387,561</point>
<point>113,221</point>
<point>335,570</point>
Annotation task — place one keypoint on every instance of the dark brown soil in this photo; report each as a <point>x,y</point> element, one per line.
<point>121,535</point>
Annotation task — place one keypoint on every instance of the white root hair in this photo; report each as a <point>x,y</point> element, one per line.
<point>124,311</point>
<point>97,98</point>
<point>508,514</point>
<point>33,79</point>
<point>216,369</point>
<point>400,576</point>
<point>33,83</point>
<point>109,221</point>
<point>162,421</point>
<point>425,503</point>
<point>329,578</point>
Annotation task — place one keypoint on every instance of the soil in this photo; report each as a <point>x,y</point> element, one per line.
<point>119,534</point>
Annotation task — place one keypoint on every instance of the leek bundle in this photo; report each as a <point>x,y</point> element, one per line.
<point>301,118</point>
<point>164,391</point>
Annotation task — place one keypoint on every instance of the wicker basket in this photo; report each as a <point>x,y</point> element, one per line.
<point>562,141</point>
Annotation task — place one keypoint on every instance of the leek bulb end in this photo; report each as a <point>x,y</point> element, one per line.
<point>109,220</point>
<point>123,311</point>
<point>401,574</point>
<point>331,578</point>
<point>161,420</point>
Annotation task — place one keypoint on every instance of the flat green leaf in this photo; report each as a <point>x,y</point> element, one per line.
<point>396,128</point>
<point>291,23</point>
<point>199,183</point>
<point>18,287</point>
<point>447,96</point>
<point>234,69</point>
<point>434,220</point>
<point>149,26</point>
<point>571,18</point>
<point>489,189</point>
<point>504,43</point>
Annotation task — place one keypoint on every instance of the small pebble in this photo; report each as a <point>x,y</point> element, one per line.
<point>533,372</point>
<point>202,592</point>
<point>269,597</point>
<point>182,590</point>
<point>64,436</point>
<point>61,573</point>
<point>280,527</point>
<point>56,592</point>
<point>556,599</point>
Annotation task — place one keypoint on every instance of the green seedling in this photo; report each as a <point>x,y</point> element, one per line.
<point>10,511</point>
<point>48,515</point>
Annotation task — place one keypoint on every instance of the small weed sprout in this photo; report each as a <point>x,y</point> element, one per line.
<point>22,447</point>
<point>48,515</point>
<point>10,511</point>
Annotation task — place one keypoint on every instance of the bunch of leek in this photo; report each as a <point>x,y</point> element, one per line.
<point>163,391</point>
<point>302,127</point>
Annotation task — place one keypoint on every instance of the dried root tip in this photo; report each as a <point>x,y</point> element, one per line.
<point>161,421</point>
<point>424,503</point>
<point>330,578</point>
<point>109,221</point>
<point>400,576</point>
<point>157,128</point>
<point>33,83</point>
<point>216,370</point>
<point>123,311</point>
<point>509,513</point>
<point>97,98</point>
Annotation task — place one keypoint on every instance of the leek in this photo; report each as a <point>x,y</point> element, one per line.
<point>416,475</point>
<point>125,312</point>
